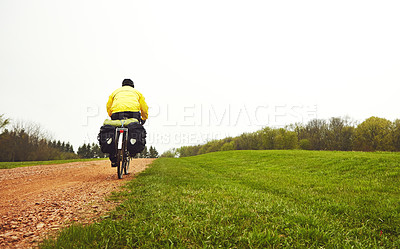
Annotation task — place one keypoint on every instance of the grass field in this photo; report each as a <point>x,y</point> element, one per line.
<point>11,165</point>
<point>254,199</point>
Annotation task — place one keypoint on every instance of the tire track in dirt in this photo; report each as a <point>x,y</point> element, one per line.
<point>39,200</point>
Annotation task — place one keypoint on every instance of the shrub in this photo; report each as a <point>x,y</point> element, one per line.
<point>305,144</point>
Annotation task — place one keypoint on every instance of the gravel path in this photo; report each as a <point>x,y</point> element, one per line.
<point>37,201</point>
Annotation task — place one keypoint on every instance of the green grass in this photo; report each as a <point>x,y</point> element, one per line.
<point>254,199</point>
<point>10,165</point>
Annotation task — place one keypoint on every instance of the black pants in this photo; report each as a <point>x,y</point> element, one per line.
<point>119,116</point>
<point>123,115</point>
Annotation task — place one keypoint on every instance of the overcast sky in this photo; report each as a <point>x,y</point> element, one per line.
<point>208,69</point>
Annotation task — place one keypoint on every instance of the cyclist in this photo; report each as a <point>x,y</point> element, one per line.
<point>126,102</point>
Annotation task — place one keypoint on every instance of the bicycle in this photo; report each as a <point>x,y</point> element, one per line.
<point>123,158</point>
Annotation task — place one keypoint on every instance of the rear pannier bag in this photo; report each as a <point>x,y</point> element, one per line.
<point>137,138</point>
<point>106,139</point>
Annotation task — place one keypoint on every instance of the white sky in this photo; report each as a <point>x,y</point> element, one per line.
<point>208,69</point>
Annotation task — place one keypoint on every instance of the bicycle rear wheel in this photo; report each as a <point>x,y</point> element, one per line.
<point>120,164</point>
<point>122,153</point>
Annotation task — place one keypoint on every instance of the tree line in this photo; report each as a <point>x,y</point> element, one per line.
<point>90,151</point>
<point>28,142</point>
<point>342,134</point>
<point>93,151</point>
<point>148,153</point>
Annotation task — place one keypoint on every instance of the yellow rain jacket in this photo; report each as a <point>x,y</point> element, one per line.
<point>127,99</point>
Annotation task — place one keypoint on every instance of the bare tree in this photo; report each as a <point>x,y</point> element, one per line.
<point>3,122</point>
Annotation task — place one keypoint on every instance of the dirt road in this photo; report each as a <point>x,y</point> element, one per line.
<point>37,201</point>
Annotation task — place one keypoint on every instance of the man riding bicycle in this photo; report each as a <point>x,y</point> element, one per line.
<point>126,102</point>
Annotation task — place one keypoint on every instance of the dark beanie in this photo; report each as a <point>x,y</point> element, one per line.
<point>127,82</point>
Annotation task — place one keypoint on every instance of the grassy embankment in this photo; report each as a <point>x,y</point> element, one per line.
<point>11,165</point>
<point>254,199</point>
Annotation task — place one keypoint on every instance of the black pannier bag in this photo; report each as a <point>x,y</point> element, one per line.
<point>106,139</point>
<point>136,138</point>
